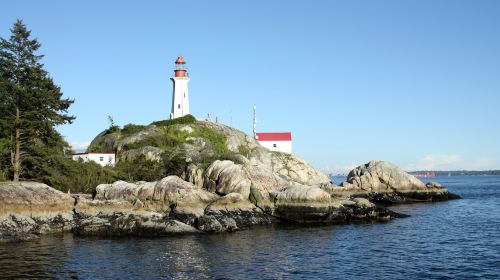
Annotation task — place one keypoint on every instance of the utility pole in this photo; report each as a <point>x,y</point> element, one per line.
<point>254,121</point>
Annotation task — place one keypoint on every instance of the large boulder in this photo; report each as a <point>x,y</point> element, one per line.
<point>258,184</point>
<point>224,177</point>
<point>194,175</point>
<point>297,170</point>
<point>232,212</point>
<point>181,194</point>
<point>121,190</point>
<point>385,183</point>
<point>28,209</point>
<point>302,194</point>
<point>265,186</point>
<point>308,204</point>
<point>382,176</point>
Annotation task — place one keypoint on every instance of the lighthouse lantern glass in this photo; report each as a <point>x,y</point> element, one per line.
<point>180,67</point>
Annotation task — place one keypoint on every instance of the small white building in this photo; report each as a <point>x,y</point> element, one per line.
<point>275,141</point>
<point>102,159</point>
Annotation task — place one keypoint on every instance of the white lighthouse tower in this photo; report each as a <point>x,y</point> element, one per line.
<point>180,95</point>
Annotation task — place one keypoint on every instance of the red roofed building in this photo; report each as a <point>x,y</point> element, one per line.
<point>275,141</point>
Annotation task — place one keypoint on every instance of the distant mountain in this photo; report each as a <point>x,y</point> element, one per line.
<point>458,172</point>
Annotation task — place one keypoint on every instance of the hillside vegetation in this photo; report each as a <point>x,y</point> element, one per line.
<point>151,152</point>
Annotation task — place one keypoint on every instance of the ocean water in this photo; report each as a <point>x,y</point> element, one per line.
<point>457,239</point>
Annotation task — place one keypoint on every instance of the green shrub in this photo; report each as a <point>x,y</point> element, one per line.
<point>65,174</point>
<point>80,177</point>
<point>173,164</point>
<point>98,149</point>
<point>187,119</point>
<point>138,169</point>
<point>130,129</point>
<point>141,169</point>
<point>112,129</point>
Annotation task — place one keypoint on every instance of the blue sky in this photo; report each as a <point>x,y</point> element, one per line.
<point>413,82</point>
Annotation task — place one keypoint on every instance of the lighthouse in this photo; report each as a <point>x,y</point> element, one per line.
<point>180,94</point>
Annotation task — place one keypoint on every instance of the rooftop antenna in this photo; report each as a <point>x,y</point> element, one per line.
<point>254,121</point>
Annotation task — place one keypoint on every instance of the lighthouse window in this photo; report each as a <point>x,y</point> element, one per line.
<point>274,145</point>
<point>178,106</point>
<point>101,159</point>
<point>184,94</point>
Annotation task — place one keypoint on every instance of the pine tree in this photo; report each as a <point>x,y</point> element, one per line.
<point>31,104</point>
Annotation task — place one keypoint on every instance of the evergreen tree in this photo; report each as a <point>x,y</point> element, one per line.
<point>31,104</point>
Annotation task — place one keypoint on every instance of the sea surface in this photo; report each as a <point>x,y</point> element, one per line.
<point>457,239</point>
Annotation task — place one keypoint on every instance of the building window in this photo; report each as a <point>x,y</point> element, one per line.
<point>101,159</point>
<point>274,145</point>
<point>178,106</point>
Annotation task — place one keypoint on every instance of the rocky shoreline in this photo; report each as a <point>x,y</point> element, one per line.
<point>231,197</point>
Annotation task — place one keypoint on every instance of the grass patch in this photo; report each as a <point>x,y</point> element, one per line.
<point>165,139</point>
<point>216,139</point>
<point>244,150</point>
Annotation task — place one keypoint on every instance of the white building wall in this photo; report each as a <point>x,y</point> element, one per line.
<point>101,159</point>
<point>278,146</point>
<point>83,157</point>
<point>180,97</point>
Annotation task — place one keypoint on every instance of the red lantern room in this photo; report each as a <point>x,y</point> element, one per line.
<point>180,67</point>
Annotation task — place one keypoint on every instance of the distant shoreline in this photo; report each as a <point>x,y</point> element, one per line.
<point>459,173</point>
<point>444,173</point>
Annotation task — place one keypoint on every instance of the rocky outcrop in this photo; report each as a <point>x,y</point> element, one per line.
<point>198,146</point>
<point>186,201</point>
<point>28,209</point>
<point>135,209</point>
<point>123,218</point>
<point>233,196</point>
<point>255,187</point>
<point>385,183</point>
<point>259,183</point>
<point>232,212</point>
